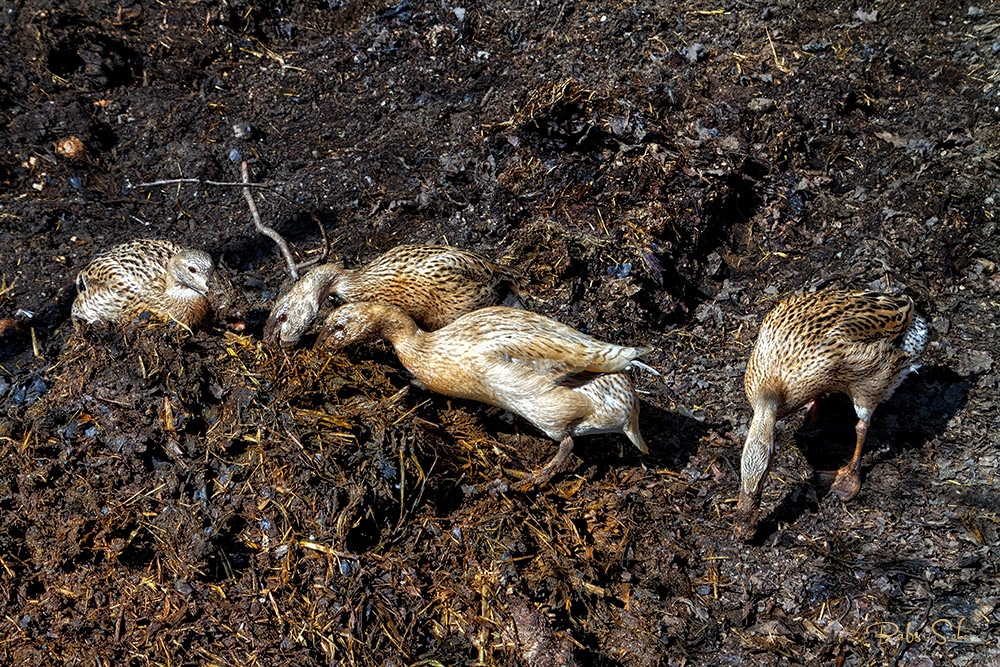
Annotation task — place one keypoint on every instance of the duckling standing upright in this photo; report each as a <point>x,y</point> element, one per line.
<point>145,275</point>
<point>564,382</point>
<point>434,284</point>
<point>859,343</point>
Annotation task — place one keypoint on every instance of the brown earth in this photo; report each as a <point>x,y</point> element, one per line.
<point>660,172</point>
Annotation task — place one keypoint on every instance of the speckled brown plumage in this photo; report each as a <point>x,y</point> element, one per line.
<point>859,343</point>
<point>145,275</point>
<point>433,284</point>
<point>564,382</point>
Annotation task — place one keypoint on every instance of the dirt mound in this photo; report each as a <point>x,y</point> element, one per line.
<point>660,174</point>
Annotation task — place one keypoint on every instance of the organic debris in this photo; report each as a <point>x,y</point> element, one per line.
<point>660,174</point>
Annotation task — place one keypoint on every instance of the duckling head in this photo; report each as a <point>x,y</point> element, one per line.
<point>758,450</point>
<point>754,467</point>
<point>192,269</point>
<point>296,310</point>
<point>291,316</point>
<point>362,321</point>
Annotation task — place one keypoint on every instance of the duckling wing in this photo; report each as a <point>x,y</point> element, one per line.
<point>408,259</point>
<point>871,316</point>
<point>479,269</point>
<point>550,347</point>
<point>130,267</point>
<point>107,272</point>
<point>458,266</point>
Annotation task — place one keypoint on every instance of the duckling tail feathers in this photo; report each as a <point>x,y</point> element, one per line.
<point>648,369</point>
<point>632,431</point>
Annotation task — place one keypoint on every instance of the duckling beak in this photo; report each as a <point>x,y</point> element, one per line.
<point>746,531</point>
<point>271,332</point>
<point>272,335</point>
<point>215,283</point>
<point>321,338</point>
<point>196,284</point>
<point>275,339</point>
<point>747,511</point>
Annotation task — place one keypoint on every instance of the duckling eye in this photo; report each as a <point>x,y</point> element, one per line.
<point>192,269</point>
<point>339,326</point>
<point>283,317</point>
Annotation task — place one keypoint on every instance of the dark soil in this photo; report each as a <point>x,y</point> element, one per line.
<point>660,172</point>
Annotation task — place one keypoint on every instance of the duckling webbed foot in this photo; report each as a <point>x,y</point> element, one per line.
<point>844,483</point>
<point>551,468</point>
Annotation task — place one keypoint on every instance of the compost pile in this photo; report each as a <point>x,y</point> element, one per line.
<point>659,173</point>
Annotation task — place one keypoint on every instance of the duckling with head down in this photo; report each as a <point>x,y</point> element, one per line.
<point>145,275</point>
<point>564,382</point>
<point>859,343</point>
<point>433,284</point>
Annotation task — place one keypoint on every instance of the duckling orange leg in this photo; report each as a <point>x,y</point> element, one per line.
<point>551,468</point>
<point>846,482</point>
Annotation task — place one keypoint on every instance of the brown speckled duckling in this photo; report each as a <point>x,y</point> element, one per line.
<point>145,275</point>
<point>859,343</point>
<point>564,382</point>
<point>433,284</point>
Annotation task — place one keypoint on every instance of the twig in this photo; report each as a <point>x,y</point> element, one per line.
<point>174,181</point>
<point>322,548</point>
<point>777,63</point>
<point>261,227</point>
<point>264,229</point>
<point>326,247</point>
<point>293,268</point>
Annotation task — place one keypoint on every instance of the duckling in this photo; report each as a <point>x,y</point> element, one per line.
<point>145,275</point>
<point>859,343</point>
<point>434,284</point>
<point>564,382</point>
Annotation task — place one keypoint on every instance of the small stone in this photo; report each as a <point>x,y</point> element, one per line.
<point>761,105</point>
<point>866,17</point>
<point>38,386</point>
<point>70,147</point>
<point>976,362</point>
<point>620,126</point>
<point>620,270</point>
<point>817,47</point>
<point>695,52</point>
